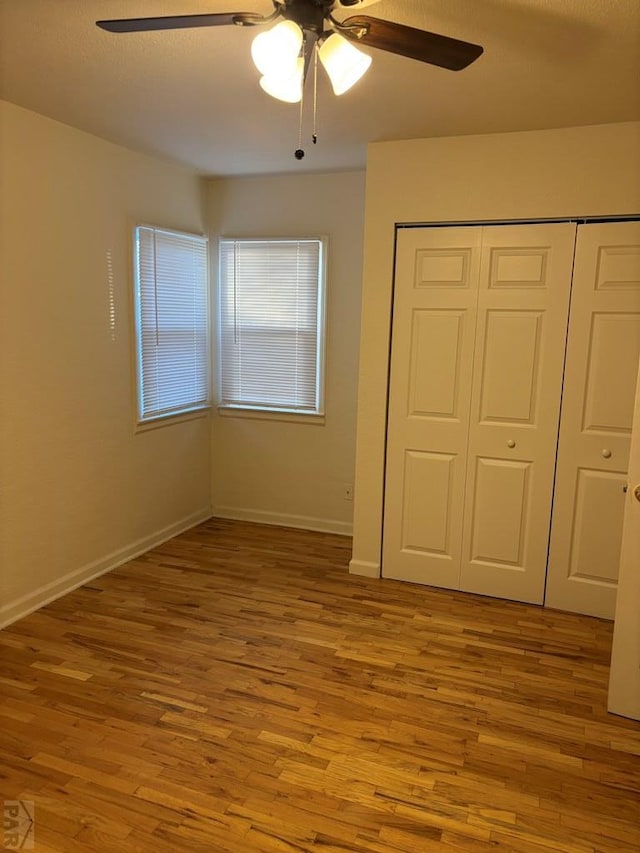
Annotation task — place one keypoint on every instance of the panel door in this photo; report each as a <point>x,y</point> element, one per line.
<point>433,334</point>
<point>597,414</point>
<point>624,677</point>
<point>515,408</point>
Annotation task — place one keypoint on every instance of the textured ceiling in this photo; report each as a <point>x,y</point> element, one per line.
<point>193,95</point>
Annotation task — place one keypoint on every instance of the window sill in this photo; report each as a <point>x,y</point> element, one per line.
<point>170,420</point>
<point>271,415</point>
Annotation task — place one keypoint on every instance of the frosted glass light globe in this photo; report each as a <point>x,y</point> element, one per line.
<point>276,51</point>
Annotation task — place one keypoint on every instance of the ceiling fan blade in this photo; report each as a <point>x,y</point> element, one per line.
<point>408,41</point>
<point>178,22</point>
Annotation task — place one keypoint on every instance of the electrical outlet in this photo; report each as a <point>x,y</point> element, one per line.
<point>347,492</point>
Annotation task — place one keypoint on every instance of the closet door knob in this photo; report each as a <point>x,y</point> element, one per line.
<point>636,492</point>
<point>606,453</point>
<point>511,443</point>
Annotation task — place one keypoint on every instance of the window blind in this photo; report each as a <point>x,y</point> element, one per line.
<point>172,322</point>
<point>271,324</point>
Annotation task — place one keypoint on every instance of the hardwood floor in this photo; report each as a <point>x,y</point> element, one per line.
<point>235,690</point>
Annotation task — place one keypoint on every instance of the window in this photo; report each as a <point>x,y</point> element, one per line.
<point>272,324</point>
<point>172,323</point>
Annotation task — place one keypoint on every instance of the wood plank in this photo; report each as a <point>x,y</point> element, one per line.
<point>237,690</point>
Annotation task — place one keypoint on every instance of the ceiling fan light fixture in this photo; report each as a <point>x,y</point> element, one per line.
<point>285,87</point>
<point>276,51</point>
<point>343,62</point>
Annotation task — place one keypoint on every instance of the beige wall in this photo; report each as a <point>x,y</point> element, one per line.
<point>80,489</point>
<point>276,471</point>
<point>589,171</point>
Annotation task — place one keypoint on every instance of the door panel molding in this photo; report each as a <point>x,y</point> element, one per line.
<point>510,359</point>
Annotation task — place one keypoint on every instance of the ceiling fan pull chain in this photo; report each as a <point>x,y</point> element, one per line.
<point>299,152</point>
<point>314,135</point>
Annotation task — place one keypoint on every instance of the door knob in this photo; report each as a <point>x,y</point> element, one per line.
<point>636,492</point>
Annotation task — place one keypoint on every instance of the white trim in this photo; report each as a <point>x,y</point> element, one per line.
<point>364,568</point>
<point>282,519</point>
<point>169,420</point>
<point>313,418</point>
<point>49,592</point>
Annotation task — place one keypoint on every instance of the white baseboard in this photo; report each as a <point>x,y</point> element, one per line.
<point>364,568</point>
<point>15,610</point>
<point>281,519</point>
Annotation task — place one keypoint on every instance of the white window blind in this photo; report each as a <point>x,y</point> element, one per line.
<point>172,323</point>
<point>272,324</point>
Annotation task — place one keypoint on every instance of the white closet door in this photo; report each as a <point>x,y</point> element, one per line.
<point>434,318</point>
<point>515,408</point>
<point>476,522</point>
<point>624,679</point>
<point>597,415</point>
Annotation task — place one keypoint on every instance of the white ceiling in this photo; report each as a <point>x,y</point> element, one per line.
<point>193,95</point>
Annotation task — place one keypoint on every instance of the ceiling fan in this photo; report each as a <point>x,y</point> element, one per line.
<point>309,31</point>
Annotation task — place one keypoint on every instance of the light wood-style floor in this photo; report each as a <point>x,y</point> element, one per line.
<point>236,690</point>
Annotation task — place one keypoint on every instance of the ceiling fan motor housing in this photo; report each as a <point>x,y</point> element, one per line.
<point>309,15</point>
